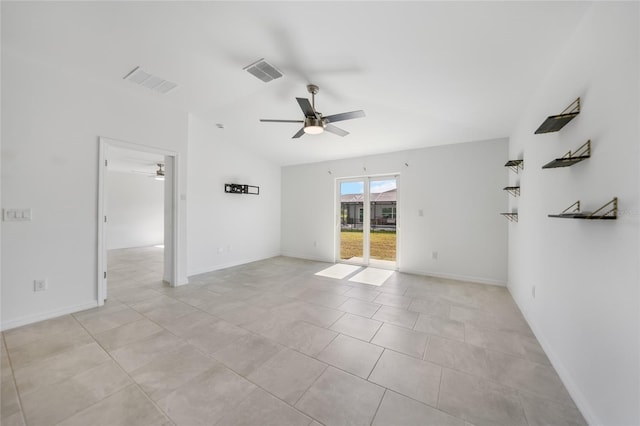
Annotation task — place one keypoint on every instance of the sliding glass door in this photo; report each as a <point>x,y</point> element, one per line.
<point>367,221</point>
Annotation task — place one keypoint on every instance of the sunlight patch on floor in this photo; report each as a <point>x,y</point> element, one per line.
<point>338,271</point>
<point>372,276</point>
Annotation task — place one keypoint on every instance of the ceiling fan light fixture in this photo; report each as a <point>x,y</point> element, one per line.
<point>313,126</point>
<point>314,122</point>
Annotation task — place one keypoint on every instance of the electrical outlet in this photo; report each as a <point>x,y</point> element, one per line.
<point>39,285</point>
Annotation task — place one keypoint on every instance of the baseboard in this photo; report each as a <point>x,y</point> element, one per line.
<point>565,377</point>
<point>306,257</point>
<point>217,267</point>
<point>456,277</point>
<point>30,319</point>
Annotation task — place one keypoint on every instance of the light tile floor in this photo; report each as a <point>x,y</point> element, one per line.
<point>270,343</point>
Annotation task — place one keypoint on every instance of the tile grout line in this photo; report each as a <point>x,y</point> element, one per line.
<point>231,369</point>
<point>439,383</point>
<point>15,384</point>
<point>411,397</point>
<point>374,366</point>
<point>133,381</point>
<point>524,412</point>
<point>333,323</point>
<point>311,385</point>
<point>258,386</point>
<point>490,379</point>
<point>283,346</point>
<point>379,405</point>
<point>520,393</point>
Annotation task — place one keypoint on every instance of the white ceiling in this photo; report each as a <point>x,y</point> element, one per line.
<point>426,73</point>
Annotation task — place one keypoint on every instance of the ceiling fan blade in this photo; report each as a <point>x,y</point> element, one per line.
<point>281,121</point>
<point>335,130</point>
<point>344,116</point>
<point>306,107</point>
<point>300,133</point>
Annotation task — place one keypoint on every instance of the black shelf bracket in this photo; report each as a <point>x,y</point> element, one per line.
<point>515,165</point>
<point>234,188</point>
<point>607,212</point>
<point>571,158</point>
<point>554,123</point>
<point>513,190</point>
<point>513,217</point>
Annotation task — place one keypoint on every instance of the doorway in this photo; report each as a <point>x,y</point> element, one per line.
<point>367,231</point>
<point>109,149</point>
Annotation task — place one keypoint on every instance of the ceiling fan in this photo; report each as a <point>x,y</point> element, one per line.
<point>160,172</point>
<point>314,122</point>
<point>157,175</point>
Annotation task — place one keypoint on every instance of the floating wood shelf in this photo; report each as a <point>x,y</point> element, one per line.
<point>513,190</point>
<point>607,212</point>
<point>554,123</point>
<point>515,165</point>
<point>571,158</point>
<point>513,217</point>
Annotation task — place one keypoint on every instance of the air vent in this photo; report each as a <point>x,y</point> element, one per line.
<point>150,81</point>
<point>263,70</point>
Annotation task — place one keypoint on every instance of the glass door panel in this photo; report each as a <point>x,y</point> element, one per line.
<point>352,220</point>
<point>367,221</point>
<point>382,222</point>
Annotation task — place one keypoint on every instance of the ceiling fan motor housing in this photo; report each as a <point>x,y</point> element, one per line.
<point>313,125</point>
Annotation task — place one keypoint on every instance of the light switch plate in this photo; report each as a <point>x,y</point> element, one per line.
<point>17,215</point>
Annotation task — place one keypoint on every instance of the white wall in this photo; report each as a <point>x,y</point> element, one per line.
<point>458,187</point>
<point>229,229</point>
<point>135,206</point>
<point>51,121</point>
<point>585,312</point>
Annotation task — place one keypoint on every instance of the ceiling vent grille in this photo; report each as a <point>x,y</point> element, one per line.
<point>150,81</point>
<point>263,70</point>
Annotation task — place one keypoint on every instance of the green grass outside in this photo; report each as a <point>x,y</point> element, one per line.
<point>383,245</point>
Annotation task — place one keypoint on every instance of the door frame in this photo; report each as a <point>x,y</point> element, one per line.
<point>366,218</point>
<point>170,205</point>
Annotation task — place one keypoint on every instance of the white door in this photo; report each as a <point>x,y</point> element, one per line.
<point>366,223</point>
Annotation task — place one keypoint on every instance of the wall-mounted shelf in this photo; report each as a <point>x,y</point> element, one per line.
<point>515,165</point>
<point>513,190</point>
<point>571,158</point>
<point>234,188</point>
<point>554,123</point>
<point>513,217</point>
<point>607,212</point>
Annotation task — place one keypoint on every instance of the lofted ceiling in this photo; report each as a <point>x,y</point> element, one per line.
<point>425,73</point>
